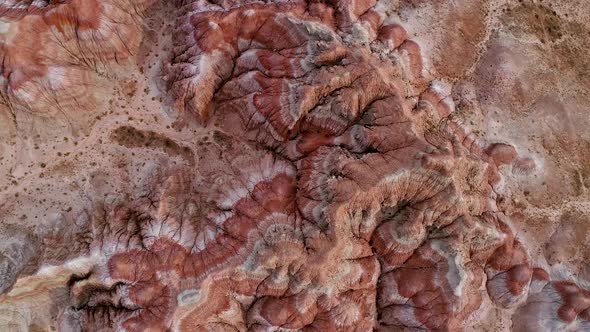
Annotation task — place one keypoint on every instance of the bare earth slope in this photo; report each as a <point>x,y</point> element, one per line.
<point>236,165</point>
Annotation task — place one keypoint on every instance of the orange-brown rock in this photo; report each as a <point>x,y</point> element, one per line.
<point>304,166</point>
<point>50,49</point>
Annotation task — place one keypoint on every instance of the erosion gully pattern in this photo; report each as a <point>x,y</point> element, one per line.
<point>341,193</point>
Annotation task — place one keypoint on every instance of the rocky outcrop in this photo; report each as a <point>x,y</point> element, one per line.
<point>335,185</point>
<point>51,49</point>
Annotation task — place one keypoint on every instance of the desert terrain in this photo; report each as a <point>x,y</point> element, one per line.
<point>286,165</point>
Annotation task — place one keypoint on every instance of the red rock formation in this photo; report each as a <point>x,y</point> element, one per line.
<point>501,153</point>
<point>509,272</point>
<point>49,49</point>
<point>339,192</point>
<point>359,198</point>
<point>276,65</point>
<point>559,305</point>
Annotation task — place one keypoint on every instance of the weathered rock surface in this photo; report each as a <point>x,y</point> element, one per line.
<point>349,165</point>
